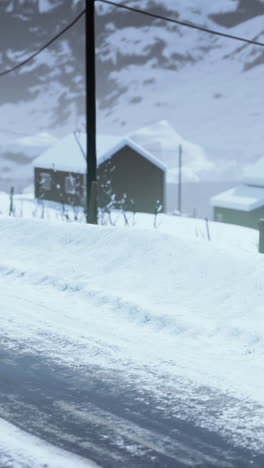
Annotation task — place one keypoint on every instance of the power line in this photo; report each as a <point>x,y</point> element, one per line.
<point>28,59</point>
<point>183,23</point>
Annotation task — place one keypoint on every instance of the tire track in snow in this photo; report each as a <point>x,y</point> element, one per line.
<point>129,309</point>
<point>108,420</point>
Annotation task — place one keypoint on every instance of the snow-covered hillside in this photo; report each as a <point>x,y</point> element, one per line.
<point>209,88</point>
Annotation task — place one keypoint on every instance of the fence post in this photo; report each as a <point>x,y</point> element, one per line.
<point>11,204</point>
<point>207,229</point>
<point>261,235</point>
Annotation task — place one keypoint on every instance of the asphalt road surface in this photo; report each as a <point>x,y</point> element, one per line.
<point>98,415</point>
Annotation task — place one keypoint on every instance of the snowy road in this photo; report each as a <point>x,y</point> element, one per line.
<point>98,416</point>
<point>115,413</point>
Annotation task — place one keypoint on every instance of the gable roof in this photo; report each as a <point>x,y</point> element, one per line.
<point>136,147</point>
<point>242,197</point>
<point>67,156</point>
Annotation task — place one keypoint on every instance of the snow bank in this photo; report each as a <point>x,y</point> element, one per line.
<point>120,290</point>
<point>21,450</point>
<point>231,236</point>
<point>170,283</point>
<point>119,261</point>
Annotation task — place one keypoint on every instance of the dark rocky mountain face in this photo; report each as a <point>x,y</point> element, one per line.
<point>25,27</point>
<point>246,10</point>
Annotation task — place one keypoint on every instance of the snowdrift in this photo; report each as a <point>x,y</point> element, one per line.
<point>151,276</point>
<point>98,295</point>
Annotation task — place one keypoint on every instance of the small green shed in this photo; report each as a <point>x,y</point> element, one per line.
<point>242,205</point>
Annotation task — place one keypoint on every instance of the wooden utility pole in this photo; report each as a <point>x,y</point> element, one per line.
<point>180,181</point>
<point>91,184</point>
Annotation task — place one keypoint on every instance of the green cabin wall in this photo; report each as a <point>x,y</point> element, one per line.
<point>242,218</point>
<point>134,175</point>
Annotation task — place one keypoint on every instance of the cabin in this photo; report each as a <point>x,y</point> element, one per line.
<point>124,169</point>
<point>244,204</point>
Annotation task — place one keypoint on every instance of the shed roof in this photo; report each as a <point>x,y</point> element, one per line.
<point>242,197</point>
<point>66,155</point>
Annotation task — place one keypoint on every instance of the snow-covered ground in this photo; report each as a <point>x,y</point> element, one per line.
<point>69,285</point>
<point>229,236</point>
<point>170,285</point>
<point>21,450</point>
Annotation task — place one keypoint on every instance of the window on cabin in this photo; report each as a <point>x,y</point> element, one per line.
<point>70,185</point>
<point>45,181</point>
<point>219,217</point>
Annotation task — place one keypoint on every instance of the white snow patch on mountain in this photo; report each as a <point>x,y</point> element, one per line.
<point>39,139</point>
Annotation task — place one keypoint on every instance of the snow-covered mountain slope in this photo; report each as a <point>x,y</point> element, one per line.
<point>209,88</point>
